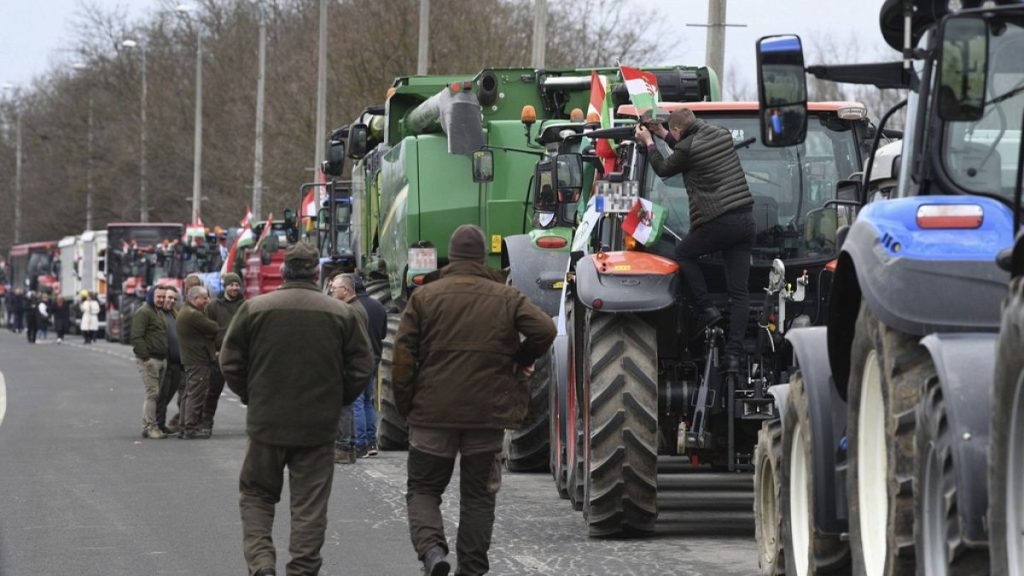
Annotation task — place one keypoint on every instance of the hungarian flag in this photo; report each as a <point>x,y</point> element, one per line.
<point>644,221</point>
<point>600,107</point>
<point>243,239</point>
<point>643,89</point>
<point>246,220</point>
<point>266,230</point>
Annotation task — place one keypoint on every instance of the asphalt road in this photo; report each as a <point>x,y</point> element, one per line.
<point>84,494</point>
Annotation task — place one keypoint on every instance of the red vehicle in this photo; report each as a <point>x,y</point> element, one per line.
<point>35,266</point>
<point>263,261</point>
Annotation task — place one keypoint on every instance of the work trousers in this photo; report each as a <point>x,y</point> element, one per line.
<point>432,453</point>
<point>152,371</point>
<point>346,430</point>
<point>364,415</point>
<point>212,397</point>
<point>197,383</point>
<point>310,474</point>
<point>732,234</point>
<point>169,386</point>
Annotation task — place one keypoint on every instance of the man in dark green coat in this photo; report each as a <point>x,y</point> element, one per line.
<point>221,311</point>
<point>295,356</point>
<point>463,354</point>
<point>196,334</point>
<point>149,343</point>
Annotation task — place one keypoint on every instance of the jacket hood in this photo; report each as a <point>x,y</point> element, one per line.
<point>472,268</point>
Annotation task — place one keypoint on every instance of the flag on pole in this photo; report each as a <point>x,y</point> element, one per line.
<point>246,220</point>
<point>601,107</point>
<point>243,239</point>
<point>644,221</point>
<point>266,230</point>
<point>643,89</point>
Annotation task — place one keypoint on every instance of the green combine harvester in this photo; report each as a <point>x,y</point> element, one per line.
<point>451,150</point>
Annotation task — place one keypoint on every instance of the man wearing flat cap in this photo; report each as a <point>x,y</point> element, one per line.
<point>295,356</point>
<point>221,311</point>
<point>463,349</point>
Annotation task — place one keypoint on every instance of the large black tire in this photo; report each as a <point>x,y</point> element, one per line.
<point>527,448</point>
<point>821,553</point>
<point>556,429</point>
<point>578,368</point>
<point>891,367</point>
<point>768,499</point>
<point>941,549</point>
<point>621,455</point>
<point>1006,451</point>
<point>380,290</point>
<point>392,429</point>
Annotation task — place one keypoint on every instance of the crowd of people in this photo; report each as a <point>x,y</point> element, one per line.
<point>34,313</point>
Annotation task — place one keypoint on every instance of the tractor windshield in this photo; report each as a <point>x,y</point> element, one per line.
<point>790,187</point>
<point>981,156</point>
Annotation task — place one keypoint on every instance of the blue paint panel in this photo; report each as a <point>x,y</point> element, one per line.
<point>896,224</point>
<point>784,44</point>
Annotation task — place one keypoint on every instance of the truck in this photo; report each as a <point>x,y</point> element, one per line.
<point>83,267</point>
<point>139,255</point>
<point>452,150</point>
<point>901,403</point>
<point>636,376</point>
<point>34,266</point>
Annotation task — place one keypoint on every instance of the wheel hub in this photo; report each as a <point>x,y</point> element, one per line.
<point>872,476</point>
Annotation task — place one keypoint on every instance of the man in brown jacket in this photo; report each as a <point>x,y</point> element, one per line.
<point>221,310</point>
<point>295,356</point>
<point>149,343</point>
<point>458,369</point>
<point>196,334</point>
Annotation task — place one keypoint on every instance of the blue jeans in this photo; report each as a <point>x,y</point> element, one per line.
<point>364,412</point>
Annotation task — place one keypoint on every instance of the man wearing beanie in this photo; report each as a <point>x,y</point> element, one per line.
<point>458,360</point>
<point>221,311</point>
<point>294,409</point>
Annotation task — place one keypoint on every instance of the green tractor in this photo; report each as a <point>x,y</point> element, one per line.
<point>450,150</point>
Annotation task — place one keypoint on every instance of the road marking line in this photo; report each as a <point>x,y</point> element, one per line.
<point>3,398</point>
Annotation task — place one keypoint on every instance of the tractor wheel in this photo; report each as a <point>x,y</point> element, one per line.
<point>392,429</point>
<point>528,447</point>
<point>556,428</point>
<point>574,417</point>
<point>941,550</point>
<point>807,551</point>
<point>887,370</point>
<point>621,423</point>
<point>768,499</point>
<point>1006,451</point>
<point>379,290</point>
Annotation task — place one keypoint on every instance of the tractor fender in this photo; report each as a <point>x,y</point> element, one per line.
<point>560,370</point>
<point>537,272</point>
<point>895,259</point>
<point>828,426</point>
<point>780,392</point>
<point>626,281</point>
<point>965,364</point>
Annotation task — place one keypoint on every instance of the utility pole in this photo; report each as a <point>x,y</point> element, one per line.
<point>17,175</point>
<point>197,160</point>
<point>715,50</point>
<point>88,167</point>
<point>321,90</point>
<point>421,62</point>
<point>257,169</point>
<point>143,198</point>
<point>540,32</point>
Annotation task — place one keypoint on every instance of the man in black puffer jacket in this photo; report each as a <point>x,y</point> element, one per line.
<point>721,214</point>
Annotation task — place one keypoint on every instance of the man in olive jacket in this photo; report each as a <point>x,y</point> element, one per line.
<point>221,311</point>
<point>721,215</point>
<point>149,343</point>
<point>295,356</point>
<point>196,335</point>
<point>460,377</point>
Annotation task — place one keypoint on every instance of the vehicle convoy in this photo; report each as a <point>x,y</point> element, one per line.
<point>886,427</point>
<point>33,266</point>
<point>635,375</point>
<point>451,150</point>
<point>138,256</point>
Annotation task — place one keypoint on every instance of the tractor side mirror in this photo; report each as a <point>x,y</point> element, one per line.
<point>483,165</point>
<point>358,139</point>
<point>781,90</point>
<point>963,68</point>
<point>335,163</point>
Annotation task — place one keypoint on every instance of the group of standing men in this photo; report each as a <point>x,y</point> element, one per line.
<point>175,346</point>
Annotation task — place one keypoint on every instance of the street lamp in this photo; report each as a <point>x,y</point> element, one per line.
<point>17,160</point>
<point>197,162</point>
<point>257,169</point>
<point>143,199</point>
<point>81,67</point>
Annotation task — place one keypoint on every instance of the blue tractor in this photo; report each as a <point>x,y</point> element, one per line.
<point>883,442</point>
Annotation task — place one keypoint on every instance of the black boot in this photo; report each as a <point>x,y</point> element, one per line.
<point>731,364</point>
<point>709,317</point>
<point>435,562</point>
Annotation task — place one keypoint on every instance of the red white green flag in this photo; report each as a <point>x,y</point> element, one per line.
<point>598,104</point>
<point>643,89</point>
<point>644,221</point>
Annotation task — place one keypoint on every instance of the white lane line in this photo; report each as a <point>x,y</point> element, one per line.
<point>3,398</point>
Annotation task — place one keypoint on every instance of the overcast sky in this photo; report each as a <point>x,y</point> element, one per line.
<point>33,32</point>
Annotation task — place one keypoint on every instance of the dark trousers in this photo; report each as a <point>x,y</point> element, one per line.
<point>197,382</point>
<point>169,386</point>
<point>212,397</point>
<point>479,482</point>
<point>732,234</point>
<point>32,327</point>
<point>310,474</point>
<point>346,439</point>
